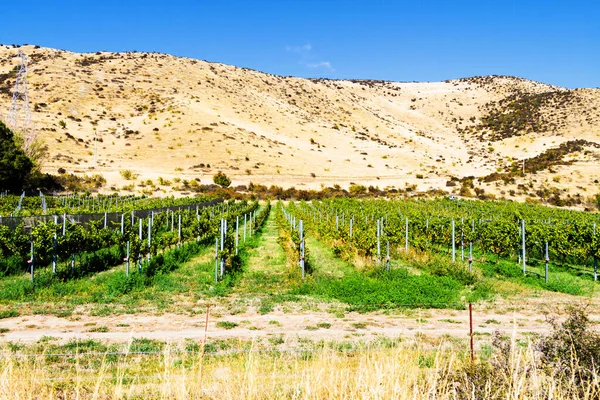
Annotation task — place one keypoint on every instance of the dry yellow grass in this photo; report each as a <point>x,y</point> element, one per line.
<point>405,372</point>
<point>163,116</point>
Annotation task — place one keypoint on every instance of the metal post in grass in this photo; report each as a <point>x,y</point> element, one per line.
<point>223,221</point>
<point>547,260</point>
<point>179,231</point>
<point>72,262</point>
<point>351,224</point>
<point>462,240</point>
<point>31,263</point>
<point>523,251</point>
<point>54,244</point>
<point>453,243</point>
<point>127,260</point>
<point>122,223</point>
<point>132,216</point>
<point>216,260</point>
<point>470,256</point>
<point>237,231</point>
<point>337,222</point>
<point>244,228</point>
<point>406,236</point>
<point>64,224</point>
<point>149,237</point>
<point>378,241</point>
<point>387,258</point>
<point>301,231</point>
<point>471,333</point>
<point>198,221</point>
<point>595,259</point>
<point>105,218</point>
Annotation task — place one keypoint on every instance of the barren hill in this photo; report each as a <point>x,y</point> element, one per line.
<point>164,116</point>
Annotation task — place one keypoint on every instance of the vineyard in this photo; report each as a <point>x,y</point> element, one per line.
<point>435,253</point>
<point>374,253</point>
<point>244,274</point>
<point>57,250</point>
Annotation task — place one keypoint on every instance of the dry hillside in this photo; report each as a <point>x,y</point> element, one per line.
<point>170,117</point>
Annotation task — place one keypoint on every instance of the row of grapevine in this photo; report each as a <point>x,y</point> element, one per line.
<point>99,245</point>
<point>494,228</point>
<point>13,205</point>
<point>293,236</point>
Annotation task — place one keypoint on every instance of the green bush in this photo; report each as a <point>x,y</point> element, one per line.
<point>221,179</point>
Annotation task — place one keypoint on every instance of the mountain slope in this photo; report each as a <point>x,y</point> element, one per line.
<point>160,115</point>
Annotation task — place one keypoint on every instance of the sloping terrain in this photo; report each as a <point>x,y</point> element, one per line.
<point>164,116</point>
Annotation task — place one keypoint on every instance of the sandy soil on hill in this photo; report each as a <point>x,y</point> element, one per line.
<point>179,118</point>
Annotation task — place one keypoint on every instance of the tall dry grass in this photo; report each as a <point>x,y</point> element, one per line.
<point>323,372</point>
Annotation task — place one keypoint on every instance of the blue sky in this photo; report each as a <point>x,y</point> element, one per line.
<point>556,42</point>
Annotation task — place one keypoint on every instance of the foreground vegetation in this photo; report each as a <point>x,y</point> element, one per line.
<point>563,364</point>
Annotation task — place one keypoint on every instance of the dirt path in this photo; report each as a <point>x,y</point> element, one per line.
<point>525,320</point>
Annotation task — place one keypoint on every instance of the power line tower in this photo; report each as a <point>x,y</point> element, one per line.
<point>19,116</point>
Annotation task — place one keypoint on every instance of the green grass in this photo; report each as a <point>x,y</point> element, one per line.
<point>111,292</point>
<point>226,324</point>
<point>377,290</point>
<point>324,262</point>
<point>265,261</point>
<point>9,314</point>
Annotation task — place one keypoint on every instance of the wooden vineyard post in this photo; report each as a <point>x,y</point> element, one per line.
<point>471,333</point>
<point>547,260</point>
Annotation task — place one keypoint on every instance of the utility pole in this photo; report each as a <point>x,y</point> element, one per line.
<point>19,116</point>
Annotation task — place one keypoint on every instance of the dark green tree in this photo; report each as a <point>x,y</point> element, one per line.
<point>15,166</point>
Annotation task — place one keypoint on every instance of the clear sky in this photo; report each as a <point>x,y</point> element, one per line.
<point>553,41</point>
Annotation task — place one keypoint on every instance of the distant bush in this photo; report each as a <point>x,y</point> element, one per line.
<point>221,179</point>
<point>127,174</point>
